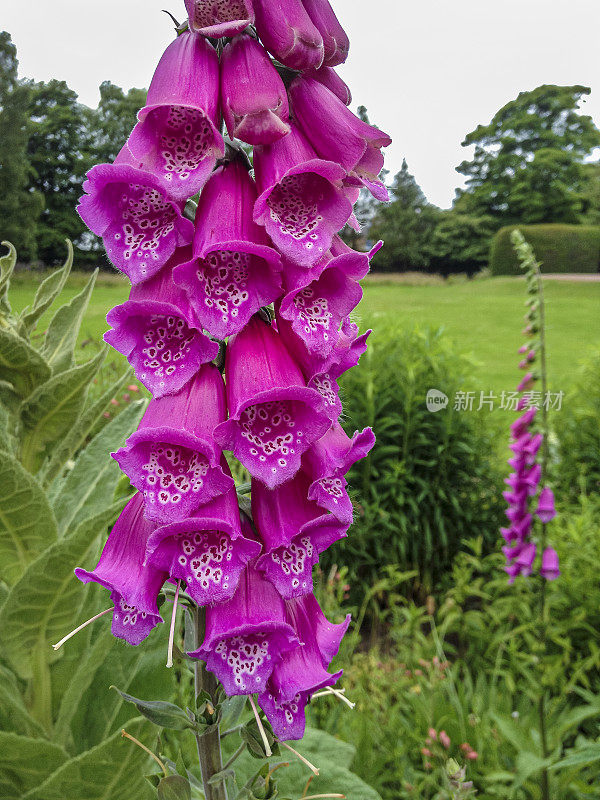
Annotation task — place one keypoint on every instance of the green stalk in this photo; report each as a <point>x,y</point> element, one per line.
<point>209,744</point>
<point>545,787</point>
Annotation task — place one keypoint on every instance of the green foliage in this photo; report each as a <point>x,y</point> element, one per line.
<point>460,242</point>
<point>405,224</point>
<point>57,152</point>
<point>559,248</point>
<point>432,478</point>
<point>59,498</point>
<point>48,140</point>
<point>527,165</point>
<point>472,668</point>
<point>579,434</point>
<point>19,208</point>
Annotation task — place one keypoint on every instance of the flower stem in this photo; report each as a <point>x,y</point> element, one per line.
<point>209,744</point>
<point>545,787</point>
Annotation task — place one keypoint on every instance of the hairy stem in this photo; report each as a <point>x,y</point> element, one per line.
<point>209,745</point>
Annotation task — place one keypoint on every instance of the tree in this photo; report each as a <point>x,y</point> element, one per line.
<point>460,242</point>
<point>59,154</point>
<point>19,208</point>
<point>113,120</point>
<point>527,164</point>
<point>405,224</point>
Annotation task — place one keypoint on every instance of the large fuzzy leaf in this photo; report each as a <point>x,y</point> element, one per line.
<point>25,763</point>
<point>21,367</point>
<point>7,265</point>
<point>14,717</point>
<point>79,683</point>
<point>114,770</point>
<point>90,485</point>
<point>61,337</point>
<point>75,438</point>
<point>330,755</point>
<point>53,409</point>
<point>47,292</point>
<point>44,604</point>
<point>27,523</point>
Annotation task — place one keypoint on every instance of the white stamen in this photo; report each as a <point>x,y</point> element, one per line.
<point>263,734</point>
<point>339,693</point>
<point>80,627</point>
<point>172,631</point>
<point>315,796</point>
<point>301,757</point>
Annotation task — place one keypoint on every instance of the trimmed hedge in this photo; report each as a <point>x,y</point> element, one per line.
<point>560,248</point>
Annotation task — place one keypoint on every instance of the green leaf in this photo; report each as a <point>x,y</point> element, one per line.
<point>174,787</point>
<point>90,485</point>
<point>111,771</point>
<point>22,367</point>
<point>328,754</point>
<point>44,604</point>
<point>47,292</point>
<point>14,716</point>
<point>7,265</point>
<point>579,758</point>
<point>27,523</point>
<point>7,442</point>
<point>80,682</point>
<point>63,330</point>
<point>75,438</point>
<point>53,409</point>
<point>25,763</point>
<point>166,715</point>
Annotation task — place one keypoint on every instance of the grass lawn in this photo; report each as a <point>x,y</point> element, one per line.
<point>482,317</point>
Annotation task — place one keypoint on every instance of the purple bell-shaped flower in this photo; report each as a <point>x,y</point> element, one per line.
<point>134,586</point>
<point>273,416</point>
<point>234,270</point>
<point>173,458</point>
<point>177,137</point>
<point>140,225</point>
<point>157,331</point>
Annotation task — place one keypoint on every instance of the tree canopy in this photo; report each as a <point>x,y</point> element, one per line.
<point>527,164</point>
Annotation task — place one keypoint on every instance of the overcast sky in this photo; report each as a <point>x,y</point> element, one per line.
<point>428,71</point>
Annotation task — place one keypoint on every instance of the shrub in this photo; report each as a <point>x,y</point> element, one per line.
<point>579,433</point>
<point>559,248</point>
<point>471,668</point>
<point>432,478</point>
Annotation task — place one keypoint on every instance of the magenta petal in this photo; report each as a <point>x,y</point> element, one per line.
<point>246,636</point>
<point>176,138</point>
<point>253,96</point>
<point>207,550</point>
<point>273,416</point>
<point>321,298</point>
<point>217,19</point>
<point>303,670</point>
<point>336,133</point>
<point>288,33</point>
<point>134,586</point>
<point>329,78</point>
<point>550,564</point>
<point>335,41</point>
<point>301,200</point>
<point>287,718</point>
<point>294,532</point>
<point>172,458</point>
<point>155,330</point>
<point>234,271</point>
<point>139,225</point>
